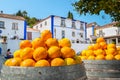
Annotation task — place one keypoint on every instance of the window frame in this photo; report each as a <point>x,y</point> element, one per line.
<point>63,33</point>
<point>81,27</point>
<point>63,23</point>
<point>14,26</point>
<point>73,25</point>
<point>2,24</point>
<point>73,34</point>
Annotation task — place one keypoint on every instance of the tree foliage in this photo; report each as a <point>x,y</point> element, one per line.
<point>30,20</point>
<point>110,7</point>
<point>70,15</point>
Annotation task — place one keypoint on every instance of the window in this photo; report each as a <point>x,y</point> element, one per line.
<point>45,23</point>
<point>118,40</point>
<point>63,34</point>
<point>40,25</point>
<point>73,41</point>
<point>81,35</point>
<point>2,25</point>
<point>101,33</point>
<point>81,27</point>
<point>14,26</point>
<point>73,34</point>
<point>73,25</point>
<point>62,22</point>
<point>36,27</point>
<point>77,41</point>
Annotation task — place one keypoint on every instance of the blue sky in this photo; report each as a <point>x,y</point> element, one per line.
<point>43,8</point>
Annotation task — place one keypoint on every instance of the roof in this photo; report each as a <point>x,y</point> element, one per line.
<point>107,25</point>
<point>102,27</point>
<point>11,16</point>
<point>91,24</point>
<point>31,29</point>
<point>56,16</point>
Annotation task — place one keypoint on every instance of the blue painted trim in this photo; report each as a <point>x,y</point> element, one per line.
<point>25,29</point>
<point>92,29</point>
<point>52,25</point>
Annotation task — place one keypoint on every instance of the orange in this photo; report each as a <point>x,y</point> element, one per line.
<point>51,42</point>
<point>97,46</point>
<point>118,52</point>
<point>78,59</point>
<point>111,45</point>
<point>100,39</point>
<point>54,52</point>
<point>46,34</point>
<point>64,42</point>
<point>117,57</point>
<point>40,53</point>
<point>91,57</point>
<point>67,52</point>
<point>42,63</point>
<point>111,51</point>
<point>109,57</point>
<point>98,52</point>
<point>90,47</point>
<point>89,53</point>
<point>57,62</point>
<point>83,57</point>
<point>38,42</point>
<point>83,53</point>
<point>27,53</point>
<point>24,44</point>
<point>69,61</point>
<point>100,57</point>
<point>27,63</point>
<point>118,48</point>
<point>17,53</point>
<point>7,62</point>
<point>13,62</point>
<point>103,45</point>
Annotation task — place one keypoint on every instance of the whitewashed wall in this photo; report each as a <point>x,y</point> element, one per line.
<point>13,45</point>
<point>79,47</point>
<point>8,28</point>
<point>48,26</point>
<point>57,29</point>
<point>89,32</point>
<point>68,30</point>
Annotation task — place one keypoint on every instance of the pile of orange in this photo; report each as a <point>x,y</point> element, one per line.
<point>44,51</point>
<point>101,51</point>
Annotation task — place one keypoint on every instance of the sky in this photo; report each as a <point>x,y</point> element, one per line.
<point>44,8</point>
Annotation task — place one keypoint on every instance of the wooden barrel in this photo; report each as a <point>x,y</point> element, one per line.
<point>72,72</point>
<point>102,69</point>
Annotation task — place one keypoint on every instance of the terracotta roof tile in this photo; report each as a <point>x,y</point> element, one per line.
<point>11,16</point>
<point>31,29</point>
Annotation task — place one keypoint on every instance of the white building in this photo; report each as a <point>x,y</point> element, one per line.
<point>32,33</point>
<point>12,26</point>
<point>62,27</point>
<point>110,32</point>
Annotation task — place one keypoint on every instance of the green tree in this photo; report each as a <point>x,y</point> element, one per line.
<point>19,13</point>
<point>24,13</point>
<point>70,15</point>
<point>30,20</point>
<point>110,7</point>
